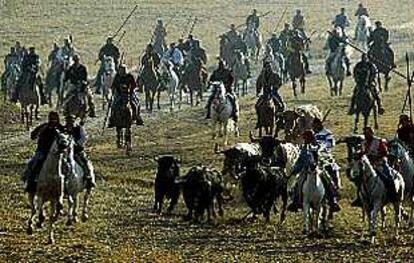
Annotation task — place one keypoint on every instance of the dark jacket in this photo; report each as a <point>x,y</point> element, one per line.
<point>110,50</point>
<point>76,74</point>
<point>224,75</point>
<point>45,136</point>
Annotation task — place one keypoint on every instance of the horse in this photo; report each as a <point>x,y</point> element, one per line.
<point>12,78</point>
<point>29,97</point>
<point>399,157</point>
<point>168,81</point>
<point>335,73</point>
<point>221,111</point>
<point>373,191</point>
<point>363,31</point>
<point>64,86</point>
<point>74,185</point>
<point>75,103</point>
<point>253,41</point>
<point>383,58</point>
<point>365,104</point>
<point>194,77</point>
<point>50,185</point>
<point>148,80</point>
<point>296,70</point>
<point>53,79</point>
<point>313,192</point>
<point>108,77</point>
<point>240,73</point>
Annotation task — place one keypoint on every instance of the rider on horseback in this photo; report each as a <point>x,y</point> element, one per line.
<point>175,56</point>
<point>361,11</point>
<point>45,135</point>
<point>405,132</point>
<point>378,41</point>
<point>284,37</point>
<point>224,75</point>
<point>77,74</point>
<point>316,147</point>
<point>150,57</point>
<point>79,136</point>
<point>298,21</point>
<point>108,50</point>
<point>124,90</point>
<point>11,59</point>
<point>275,43</point>
<point>376,150</point>
<point>342,21</point>
<point>30,69</point>
<point>253,20</point>
<point>270,82</point>
<point>334,41</point>
<point>159,34</point>
<point>297,45</point>
<point>68,51</point>
<point>365,73</point>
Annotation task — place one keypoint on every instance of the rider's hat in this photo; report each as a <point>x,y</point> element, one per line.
<point>404,117</point>
<point>378,23</point>
<point>53,115</point>
<point>70,117</point>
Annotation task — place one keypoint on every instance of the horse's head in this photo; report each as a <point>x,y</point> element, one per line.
<point>396,151</point>
<point>218,90</point>
<point>62,144</point>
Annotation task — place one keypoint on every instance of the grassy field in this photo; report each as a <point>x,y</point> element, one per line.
<point>121,227</point>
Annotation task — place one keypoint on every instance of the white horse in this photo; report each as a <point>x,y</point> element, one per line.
<point>108,77</point>
<point>313,193</point>
<point>335,72</point>
<point>50,184</point>
<point>240,74</point>
<point>169,81</point>
<point>363,31</point>
<point>373,192</point>
<point>253,41</point>
<point>400,158</point>
<point>74,185</point>
<point>221,111</point>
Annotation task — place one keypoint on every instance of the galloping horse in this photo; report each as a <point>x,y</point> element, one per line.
<point>122,119</point>
<point>296,70</point>
<point>194,77</point>
<point>365,104</point>
<point>383,58</point>
<point>148,79</point>
<point>335,73</point>
<point>168,81</point>
<point>221,111</point>
<point>75,102</point>
<point>240,73</point>
<point>108,77</point>
<point>29,97</point>
<point>253,41</point>
<point>362,31</point>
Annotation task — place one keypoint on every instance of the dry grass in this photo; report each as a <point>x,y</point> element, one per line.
<point>121,228</point>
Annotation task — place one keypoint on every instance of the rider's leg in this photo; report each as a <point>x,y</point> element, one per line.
<point>33,168</point>
<point>376,94</point>
<point>98,81</point>
<point>91,105</point>
<point>86,165</point>
<point>348,65</point>
<point>278,100</point>
<point>297,194</point>
<point>208,106</point>
<point>331,193</point>
<point>247,63</point>
<point>306,62</point>
<point>352,107</point>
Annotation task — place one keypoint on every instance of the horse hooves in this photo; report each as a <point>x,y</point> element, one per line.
<point>85,217</point>
<point>51,241</point>
<point>69,223</point>
<point>39,225</point>
<point>29,230</point>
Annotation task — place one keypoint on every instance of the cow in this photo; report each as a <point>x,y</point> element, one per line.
<point>165,185</point>
<point>200,187</point>
<point>261,186</point>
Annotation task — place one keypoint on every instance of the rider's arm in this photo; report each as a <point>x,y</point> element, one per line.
<point>382,149</point>
<point>35,133</point>
<point>82,136</point>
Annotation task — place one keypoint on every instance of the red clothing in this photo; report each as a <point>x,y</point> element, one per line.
<point>376,148</point>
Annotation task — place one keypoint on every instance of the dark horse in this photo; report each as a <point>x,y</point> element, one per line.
<point>296,70</point>
<point>383,58</point>
<point>194,78</point>
<point>148,79</point>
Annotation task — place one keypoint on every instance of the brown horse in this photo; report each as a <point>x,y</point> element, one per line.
<point>194,78</point>
<point>29,98</point>
<point>148,80</point>
<point>296,70</point>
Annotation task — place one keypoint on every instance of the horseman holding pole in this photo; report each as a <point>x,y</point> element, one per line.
<point>108,50</point>
<point>334,41</point>
<point>297,44</point>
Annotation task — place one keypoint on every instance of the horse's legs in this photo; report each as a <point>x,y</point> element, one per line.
<point>373,219</point>
<point>71,208</point>
<point>85,215</point>
<point>302,84</point>
<point>341,84</point>
<point>52,219</point>
<point>330,84</point>
<point>147,99</point>
<point>158,99</point>
<point>32,215</point>
<point>128,140</point>
<point>191,91</point>
<point>306,217</point>
<point>356,122</point>
<point>75,207</point>
<point>387,80</point>
<point>379,82</point>
<point>118,137</point>
<point>294,87</point>
<point>224,128</point>
<point>397,216</point>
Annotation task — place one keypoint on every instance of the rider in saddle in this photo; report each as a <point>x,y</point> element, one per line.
<point>54,54</point>
<point>253,20</point>
<point>109,49</point>
<point>124,89</point>
<point>334,41</point>
<point>361,11</point>
<point>79,136</point>
<point>68,51</point>
<point>30,69</point>
<point>45,135</point>
<point>77,74</point>
<point>378,40</point>
<point>312,145</point>
<point>175,56</point>
<point>365,73</point>
<point>405,132</point>
<point>150,57</point>
<point>297,44</point>
<point>11,59</point>
<point>298,21</point>
<point>224,75</point>
<point>270,83</point>
<point>160,32</point>
<point>284,37</point>
<point>190,43</point>
<point>275,43</point>
<point>376,150</point>
<point>198,53</point>
<point>341,20</point>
